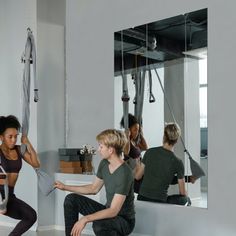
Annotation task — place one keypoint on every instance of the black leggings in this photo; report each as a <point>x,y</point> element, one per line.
<point>17,209</point>
<point>172,199</point>
<point>137,183</point>
<point>75,204</point>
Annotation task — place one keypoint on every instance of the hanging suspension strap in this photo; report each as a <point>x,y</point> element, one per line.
<point>125,99</point>
<point>140,84</point>
<point>196,169</point>
<point>45,182</point>
<point>4,197</point>
<point>125,95</point>
<point>151,96</point>
<point>28,57</point>
<point>134,78</point>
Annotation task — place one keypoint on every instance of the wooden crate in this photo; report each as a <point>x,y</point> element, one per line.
<point>71,170</point>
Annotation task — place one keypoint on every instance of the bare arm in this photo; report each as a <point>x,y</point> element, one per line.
<point>181,183</point>
<point>30,156</point>
<point>88,189</point>
<point>139,171</point>
<point>142,143</point>
<point>127,146</point>
<point>112,211</point>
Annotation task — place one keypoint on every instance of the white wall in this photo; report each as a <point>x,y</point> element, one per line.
<point>51,107</point>
<point>16,17</point>
<point>90,28</point>
<point>46,19</point>
<point>182,93</point>
<point>192,120</point>
<point>52,11</point>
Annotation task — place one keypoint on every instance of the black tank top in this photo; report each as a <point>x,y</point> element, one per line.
<point>11,166</point>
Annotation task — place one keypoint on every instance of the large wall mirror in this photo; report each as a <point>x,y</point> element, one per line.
<point>170,58</point>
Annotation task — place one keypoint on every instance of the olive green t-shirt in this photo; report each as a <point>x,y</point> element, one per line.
<point>161,165</point>
<point>121,181</point>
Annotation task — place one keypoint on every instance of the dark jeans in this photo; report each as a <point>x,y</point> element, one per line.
<point>75,204</point>
<point>172,199</point>
<point>17,209</point>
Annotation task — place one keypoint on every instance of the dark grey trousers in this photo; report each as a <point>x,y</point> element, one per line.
<point>172,199</point>
<point>75,204</point>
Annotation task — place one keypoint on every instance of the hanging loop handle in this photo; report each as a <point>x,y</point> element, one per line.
<point>151,96</point>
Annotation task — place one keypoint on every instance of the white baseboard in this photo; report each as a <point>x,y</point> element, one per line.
<point>46,227</point>
<point>60,228</point>
<point>13,224</point>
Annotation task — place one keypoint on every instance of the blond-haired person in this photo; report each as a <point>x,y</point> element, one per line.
<point>158,168</point>
<point>117,217</point>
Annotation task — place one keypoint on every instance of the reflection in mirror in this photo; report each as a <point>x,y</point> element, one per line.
<point>164,64</point>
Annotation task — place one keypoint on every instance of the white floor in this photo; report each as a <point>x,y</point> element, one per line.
<point>201,202</point>
<point>4,231</point>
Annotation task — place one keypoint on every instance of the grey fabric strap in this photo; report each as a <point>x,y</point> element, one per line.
<point>125,98</point>
<point>125,95</point>
<point>45,182</point>
<point>196,169</point>
<point>29,56</point>
<point>139,96</point>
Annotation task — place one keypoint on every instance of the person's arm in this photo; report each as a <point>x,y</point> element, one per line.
<point>139,171</point>
<point>88,189</point>
<point>127,146</point>
<point>187,178</point>
<point>30,155</point>
<point>142,142</point>
<point>112,211</point>
<point>181,183</point>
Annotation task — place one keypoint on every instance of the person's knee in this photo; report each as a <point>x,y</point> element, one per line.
<point>102,228</point>
<point>30,217</point>
<point>33,217</point>
<point>69,199</point>
<point>98,226</point>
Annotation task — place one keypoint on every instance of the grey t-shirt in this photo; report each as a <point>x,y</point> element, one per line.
<point>121,181</point>
<point>161,165</point>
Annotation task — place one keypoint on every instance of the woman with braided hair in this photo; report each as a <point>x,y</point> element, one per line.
<point>11,162</point>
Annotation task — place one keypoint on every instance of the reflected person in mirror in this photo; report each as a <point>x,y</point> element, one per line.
<point>158,168</point>
<point>136,141</point>
<point>117,216</point>
<point>135,145</point>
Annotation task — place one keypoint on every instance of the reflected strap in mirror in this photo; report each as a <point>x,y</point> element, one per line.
<point>196,169</point>
<point>125,95</point>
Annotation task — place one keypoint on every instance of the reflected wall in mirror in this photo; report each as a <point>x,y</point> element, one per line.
<point>169,58</point>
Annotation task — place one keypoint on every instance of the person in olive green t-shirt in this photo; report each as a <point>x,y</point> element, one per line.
<point>117,217</point>
<point>158,168</point>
